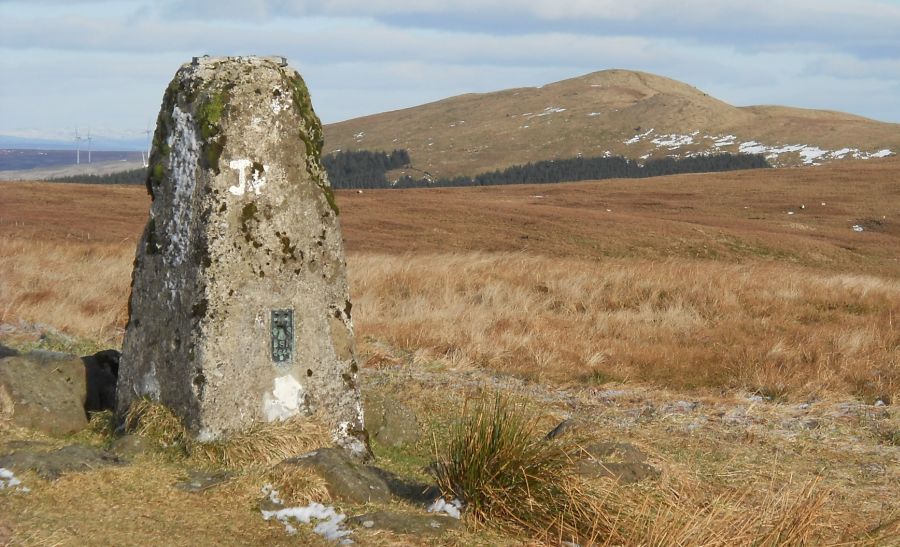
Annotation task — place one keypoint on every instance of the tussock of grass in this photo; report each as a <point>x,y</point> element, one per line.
<point>511,479</point>
<point>508,477</point>
<point>263,443</point>
<point>158,424</point>
<point>259,444</point>
<point>298,485</point>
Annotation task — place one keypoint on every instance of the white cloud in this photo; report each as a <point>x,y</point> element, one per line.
<point>113,58</point>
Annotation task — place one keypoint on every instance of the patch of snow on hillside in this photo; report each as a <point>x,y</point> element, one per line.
<point>727,140</point>
<point>551,110</point>
<point>546,112</point>
<point>637,138</point>
<point>809,154</point>
<point>673,142</point>
<point>592,114</point>
<point>880,154</point>
<point>752,147</point>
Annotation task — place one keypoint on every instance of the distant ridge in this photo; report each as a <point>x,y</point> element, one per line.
<point>613,112</point>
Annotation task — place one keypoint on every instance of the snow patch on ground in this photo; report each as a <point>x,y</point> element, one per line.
<point>329,525</point>
<point>9,480</point>
<point>637,138</point>
<point>452,508</point>
<point>674,142</point>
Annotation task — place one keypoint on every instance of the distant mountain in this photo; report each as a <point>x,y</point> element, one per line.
<point>613,112</point>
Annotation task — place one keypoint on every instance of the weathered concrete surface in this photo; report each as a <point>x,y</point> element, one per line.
<point>43,391</point>
<point>242,222</point>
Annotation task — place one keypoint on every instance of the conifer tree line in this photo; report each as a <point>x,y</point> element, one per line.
<point>132,176</point>
<point>362,168</point>
<point>367,169</point>
<point>576,169</point>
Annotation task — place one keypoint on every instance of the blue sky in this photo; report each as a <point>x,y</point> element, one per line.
<point>105,64</point>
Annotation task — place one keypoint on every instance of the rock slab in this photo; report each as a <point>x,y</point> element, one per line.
<point>50,465</point>
<point>239,310</point>
<point>346,479</point>
<point>43,391</point>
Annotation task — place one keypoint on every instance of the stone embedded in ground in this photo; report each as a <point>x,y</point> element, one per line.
<point>200,481</point>
<point>7,351</point>
<point>50,465</point>
<point>630,469</point>
<point>406,523</point>
<point>130,447</point>
<point>43,391</point>
<point>345,479</point>
<point>389,422</point>
<point>240,309</point>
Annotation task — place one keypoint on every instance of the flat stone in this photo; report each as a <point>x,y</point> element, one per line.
<point>623,472</point>
<point>620,451</point>
<point>405,523</point>
<point>346,479</point>
<point>623,462</point>
<point>389,422</point>
<point>129,447</point>
<point>7,351</point>
<point>240,308</point>
<point>200,481</point>
<point>43,391</point>
<point>50,465</point>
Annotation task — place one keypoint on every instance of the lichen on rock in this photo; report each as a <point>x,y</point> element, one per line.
<point>243,223</point>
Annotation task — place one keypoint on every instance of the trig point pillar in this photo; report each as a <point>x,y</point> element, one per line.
<point>239,309</point>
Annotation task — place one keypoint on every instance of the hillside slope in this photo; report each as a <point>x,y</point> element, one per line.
<point>614,112</point>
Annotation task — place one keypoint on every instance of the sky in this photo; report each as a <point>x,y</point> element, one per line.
<point>103,65</point>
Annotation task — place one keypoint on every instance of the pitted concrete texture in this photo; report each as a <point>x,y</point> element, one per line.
<point>243,222</point>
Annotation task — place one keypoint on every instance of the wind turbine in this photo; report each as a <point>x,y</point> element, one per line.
<point>89,139</point>
<point>77,148</point>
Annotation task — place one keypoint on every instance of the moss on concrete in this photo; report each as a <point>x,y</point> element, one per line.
<point>313,138</point>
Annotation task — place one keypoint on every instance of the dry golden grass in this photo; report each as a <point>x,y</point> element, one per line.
<point>676,287</point>
<point>696,281</point>
<point>78,288</point>
<point>261,444</point>
<point>683,325</point>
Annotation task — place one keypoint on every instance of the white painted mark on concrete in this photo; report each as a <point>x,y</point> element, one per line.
<point>254,182</point>
<point>285,399</point>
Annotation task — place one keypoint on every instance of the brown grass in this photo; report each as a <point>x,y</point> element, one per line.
<point>683,325</point>
<point>260,444</point>
<point>696,281</point>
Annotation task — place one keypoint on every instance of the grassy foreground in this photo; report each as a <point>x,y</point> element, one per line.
<point>741,348</point>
